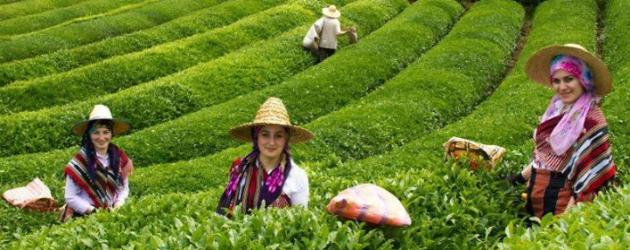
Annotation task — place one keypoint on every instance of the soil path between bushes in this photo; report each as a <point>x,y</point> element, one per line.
<point>527,26</point>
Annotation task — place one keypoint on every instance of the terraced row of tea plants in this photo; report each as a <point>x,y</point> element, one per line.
<point>369,14</point>
<point>381,109</point>
<point>604,223</point>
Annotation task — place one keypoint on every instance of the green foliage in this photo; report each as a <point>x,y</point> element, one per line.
<point>509,115</point>
<point>16,8</point>
<point>311,228</point>
<point>30,23</point>
<point>616,53</point>
<point>187,176</point>
<point>29,164</point>
<point>194,23</point>
<point>8,1</point>
<point>358,108</point>
<point>68,36</point>
<point>23,167</point>
<point>348,75</point>
<point>131,69</point>
<point>602,224</point>
<point>260,65</point>
<point>445,84</point>
<point>95,228</point>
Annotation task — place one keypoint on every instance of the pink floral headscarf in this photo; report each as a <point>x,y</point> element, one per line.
<point>571,125</point>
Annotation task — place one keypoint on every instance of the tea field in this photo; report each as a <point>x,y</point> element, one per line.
<point>184,72</point>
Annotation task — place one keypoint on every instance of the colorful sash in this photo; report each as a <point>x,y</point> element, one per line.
<point>266,192</point>
<point>588,164</point>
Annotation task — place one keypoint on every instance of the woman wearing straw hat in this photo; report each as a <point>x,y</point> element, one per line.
<point>97,176</point>
<point>572,158</point>
<point>267,176</point>
<point>321,38</point>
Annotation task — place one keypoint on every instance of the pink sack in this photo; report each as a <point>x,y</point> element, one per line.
<point>369,203</point>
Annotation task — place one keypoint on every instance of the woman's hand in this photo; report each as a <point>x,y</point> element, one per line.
<point>516,179</point>
<point>117,205</point>
<point>571,202</point>
<point>90,210</point>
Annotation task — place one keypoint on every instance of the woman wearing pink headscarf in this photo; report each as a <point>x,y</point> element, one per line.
<point>572,158</point>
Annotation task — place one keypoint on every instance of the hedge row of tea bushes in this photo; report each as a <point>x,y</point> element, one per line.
<point>359,119</point>
<point>327,234</point>
<point>15,222</point>
<point>298,57</point>
<point>28,7</point>
<point>197,22</point>
<point>602,224</point>
<point>179,221</point>
<point>28,165</point>
<point>8,1</point>
<point>371,108</point>
<point>444,85</point>
<point>508,117</point>
<point>350,74</point>
<point>455,9</point>
<point>617,57</point>
<point>176,221</point>
<point>72,35</point>
<point>114,74</point>
<point>155,225</point>
<point>30,23</point>
<point>447,213</point>
<point>475,209</point>
<point>260,65</point>
<point>483,204</point>
<point>477,205</point>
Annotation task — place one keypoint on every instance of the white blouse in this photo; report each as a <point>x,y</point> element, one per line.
<point>329,28</point>
<point>296,186</point>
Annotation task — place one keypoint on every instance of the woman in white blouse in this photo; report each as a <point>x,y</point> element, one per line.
<point>97,176</point>
<point>268,176</point>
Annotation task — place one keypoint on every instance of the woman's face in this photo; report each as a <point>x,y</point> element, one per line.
<point>567,86</point>
<point>271,141</point>
<point>101,137</point>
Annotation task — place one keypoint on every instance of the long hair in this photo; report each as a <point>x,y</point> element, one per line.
<point>88,147</point>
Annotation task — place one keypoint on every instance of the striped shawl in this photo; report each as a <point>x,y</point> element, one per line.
<point>588,164</point>
<point>103,189</point>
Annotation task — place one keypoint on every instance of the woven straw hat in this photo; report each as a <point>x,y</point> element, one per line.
<point>538,65</point>
<point>101,112</point>
<point>331,11</point>
<point>272,112</point>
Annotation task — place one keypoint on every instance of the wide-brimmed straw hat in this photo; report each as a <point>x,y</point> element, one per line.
<point>101,112</point>
<point>272,112</point>
<point>331,11</point>
<point>538,66</point>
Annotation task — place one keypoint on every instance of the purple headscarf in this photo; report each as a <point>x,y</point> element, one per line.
<point>571,125</point>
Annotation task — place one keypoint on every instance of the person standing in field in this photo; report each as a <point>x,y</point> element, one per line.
<point>572,159</point>
<point>97,177</point>
<point>321,38</point>
<point>267,176</point>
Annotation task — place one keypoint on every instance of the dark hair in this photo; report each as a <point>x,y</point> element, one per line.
<point>88,146</point>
